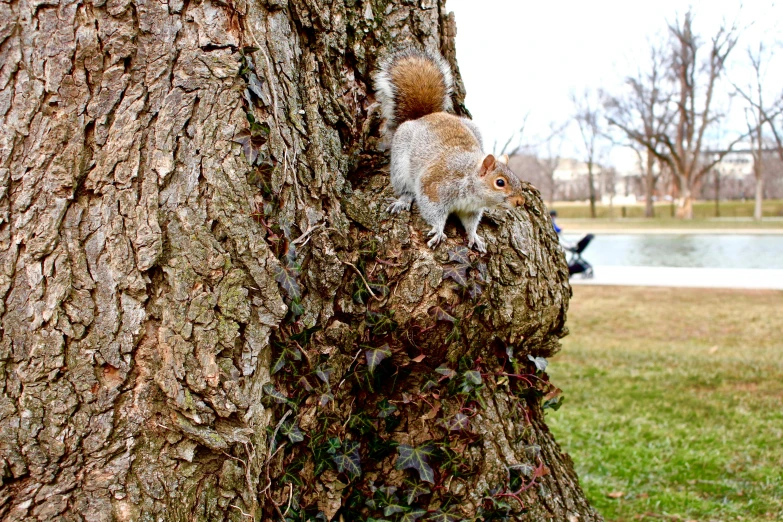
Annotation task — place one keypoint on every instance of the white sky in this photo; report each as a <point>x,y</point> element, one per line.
<point>520,56</point>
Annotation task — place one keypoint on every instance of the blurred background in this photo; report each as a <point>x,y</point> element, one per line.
<point>658,128</point>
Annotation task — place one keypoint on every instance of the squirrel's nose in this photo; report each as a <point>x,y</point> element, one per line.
<point>517,201</point>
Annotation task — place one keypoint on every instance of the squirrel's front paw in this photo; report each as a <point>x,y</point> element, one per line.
<point>399,205</point>
<point>437,237</point>
<point>479,242</point>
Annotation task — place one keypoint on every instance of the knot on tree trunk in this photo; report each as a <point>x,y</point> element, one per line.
<point>425,385</point>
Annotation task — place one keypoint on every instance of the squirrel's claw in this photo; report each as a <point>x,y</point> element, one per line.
<point>437,237</point>
<point>398,205</point>
<point>479,242</point>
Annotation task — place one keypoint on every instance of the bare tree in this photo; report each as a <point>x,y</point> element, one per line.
<point>516,136</point>
<point>207,315</point>
<point>695,112</point>
<point>753,120</point>
<point>644,113</point>
<point>545,153</point>
<point>693,95</point>
<point>588,116</point>
<point>758,116</point>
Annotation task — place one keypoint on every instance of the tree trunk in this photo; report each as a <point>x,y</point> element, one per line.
<point>199,281</point>
<point>591,189</point>
<point>717,193</point>
<point>649,186</point>
<point>685,205</point>
<point>758,172</point>
<point>758,207</point>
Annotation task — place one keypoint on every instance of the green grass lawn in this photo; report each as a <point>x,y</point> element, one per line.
<point>674,402</point>
<point>663,210</point>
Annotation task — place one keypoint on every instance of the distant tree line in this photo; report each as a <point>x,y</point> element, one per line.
<point>674,113</point>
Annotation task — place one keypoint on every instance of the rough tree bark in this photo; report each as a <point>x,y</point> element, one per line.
<point>152,280</point>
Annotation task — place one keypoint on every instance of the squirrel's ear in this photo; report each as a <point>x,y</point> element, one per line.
<point>503,159</point>
<point>488,165</point>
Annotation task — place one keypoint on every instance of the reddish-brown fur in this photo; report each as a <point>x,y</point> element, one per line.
<point>450,134</point>
<point>420,88</point>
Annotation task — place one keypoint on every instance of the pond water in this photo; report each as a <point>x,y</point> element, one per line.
<point>684,250</point>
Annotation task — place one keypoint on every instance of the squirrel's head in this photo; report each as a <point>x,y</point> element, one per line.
<point>503,186</point>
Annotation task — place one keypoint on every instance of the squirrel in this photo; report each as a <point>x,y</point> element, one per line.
<point>437,158</point>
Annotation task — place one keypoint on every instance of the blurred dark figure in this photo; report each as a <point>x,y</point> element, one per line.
<point>576,263</point>
<point>553,215</point>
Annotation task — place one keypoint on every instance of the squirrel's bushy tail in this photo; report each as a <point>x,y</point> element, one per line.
<point>410,84</point>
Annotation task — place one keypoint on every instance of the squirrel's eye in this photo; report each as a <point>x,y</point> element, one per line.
<point>500,182</point>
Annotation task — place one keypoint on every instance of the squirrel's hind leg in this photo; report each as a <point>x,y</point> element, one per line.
<point>437,237</point>
<point>471,221</point>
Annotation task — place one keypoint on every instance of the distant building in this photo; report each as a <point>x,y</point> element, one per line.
<point>566,179</point>
<point>733,177</point>
<point>736,164</point>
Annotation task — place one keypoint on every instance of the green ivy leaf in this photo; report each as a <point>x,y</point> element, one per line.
<point>554,403</point>
<point>296,307</point>
<point>459,255</point>
<point>287,280</point>
<point>279,364</point>
<point>540,362</point>
<point>416,458</point>
<point>416,490</point>
<point>324,373</point>
<point>474,290</point>
<point>446,371</point>
<point>458,273</point>
<point>376,355</point>
<point>439,516</point>
<point>304,383</point>
<point>290,258</point>
<point>459,422</point>
<point>429,384</point>
<point>381,323</point>
<point>391,509</point>
<point>533,450</point>
<point>349,460</point>
<point>303,337</point>
<point>413,516</point>
<point>381,290</point>
<point>249,149</point>
<point>254,84</point>
<point>441,315</point>
<point>260,131</point>
<point>273,392</point>
<point>385,408</point>
<point>483,274</point>
<point>523,469</point>
<point>292,431</point>
<point>386,495</point>
<point>332,445</point>
<point>473,377</point>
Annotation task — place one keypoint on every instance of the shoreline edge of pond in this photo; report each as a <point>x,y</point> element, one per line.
<point>599,228</point>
